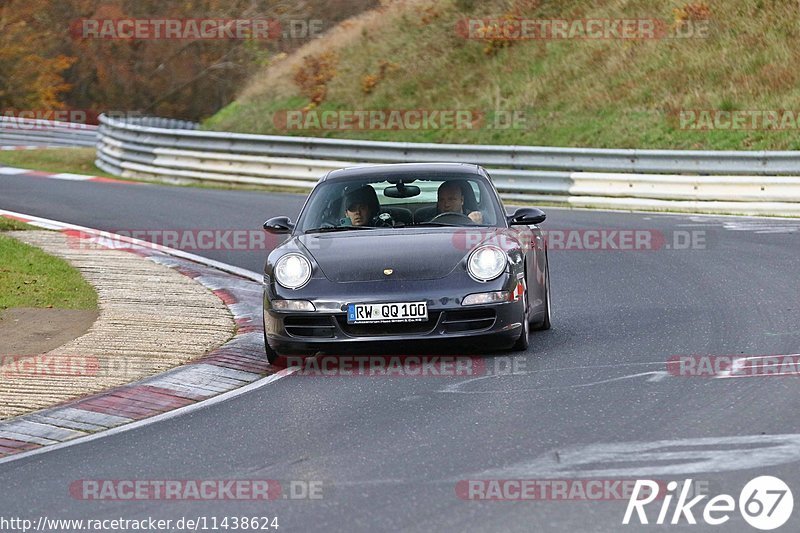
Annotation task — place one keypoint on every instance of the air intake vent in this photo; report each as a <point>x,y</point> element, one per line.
<point>309,326</point>
<point>468,320</point>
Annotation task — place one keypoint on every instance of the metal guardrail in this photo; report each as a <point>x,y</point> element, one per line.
<point>33,132</point>
<point>711,181</point>
<point>164,123</point>
<point>175,150</point>
<point>47,133</point>
<point>546,158</point>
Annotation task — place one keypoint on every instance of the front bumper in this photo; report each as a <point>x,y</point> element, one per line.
<point>449,326</point>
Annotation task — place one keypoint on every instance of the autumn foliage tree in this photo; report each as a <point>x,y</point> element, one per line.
<point>32,64</point>
<point>44,62</point>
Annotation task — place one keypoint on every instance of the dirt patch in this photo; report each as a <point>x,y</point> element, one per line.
<point>277,78</point>
<point>27,331</point>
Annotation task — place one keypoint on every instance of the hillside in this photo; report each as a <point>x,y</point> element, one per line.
<point>564,91</point>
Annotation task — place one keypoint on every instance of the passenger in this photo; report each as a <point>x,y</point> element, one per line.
<point>450,199</point>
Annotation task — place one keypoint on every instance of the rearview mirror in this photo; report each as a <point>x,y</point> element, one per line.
<point>279,225</point>
<point>527,216</point>
<point>401,190</point>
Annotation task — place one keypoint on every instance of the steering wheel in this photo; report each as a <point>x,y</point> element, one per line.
<point>452,215</point>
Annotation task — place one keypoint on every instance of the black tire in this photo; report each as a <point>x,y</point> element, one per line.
<point>544,324</point>
<point>523,342</point>
<point>272,356</point>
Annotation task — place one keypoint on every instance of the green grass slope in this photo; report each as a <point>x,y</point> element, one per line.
<point>609,93</point>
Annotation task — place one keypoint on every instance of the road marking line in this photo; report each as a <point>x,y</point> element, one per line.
<point>658,376</point>
<point>158,418</point>
<point>455,388</point>
<point>12,171</point>
<point>674,457</point>
<point>70,177</point>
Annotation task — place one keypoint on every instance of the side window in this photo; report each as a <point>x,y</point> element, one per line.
<point>484,203</point>
<point>333,210</point>
<point>476,190</point>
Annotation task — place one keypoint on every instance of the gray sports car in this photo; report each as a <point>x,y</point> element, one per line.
<point>421,253</point>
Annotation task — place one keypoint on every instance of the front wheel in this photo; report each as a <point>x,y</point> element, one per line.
<point>523,342</point>
<point>545,322</point>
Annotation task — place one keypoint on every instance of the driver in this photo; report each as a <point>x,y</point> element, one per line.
<point>450,199</point>
<point>360,206</point>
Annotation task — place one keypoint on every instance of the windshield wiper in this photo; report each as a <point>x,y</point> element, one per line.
<point>331,229</point>
<point>442,224</point>
<point>434,225</point>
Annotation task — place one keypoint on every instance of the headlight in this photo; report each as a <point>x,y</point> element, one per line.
<point>487,298</point>
<point>292,271</point>
<point>293,305</point>
<point>486,263</point>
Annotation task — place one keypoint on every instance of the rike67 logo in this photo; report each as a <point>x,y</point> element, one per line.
<point>765,503</point>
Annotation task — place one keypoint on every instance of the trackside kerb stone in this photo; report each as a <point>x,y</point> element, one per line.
<point>218,369</point>
<point>151,319</point>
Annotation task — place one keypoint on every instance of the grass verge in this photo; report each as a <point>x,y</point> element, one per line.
<point>9,224</point>
<point>31,278</point>
<point>55,160</point>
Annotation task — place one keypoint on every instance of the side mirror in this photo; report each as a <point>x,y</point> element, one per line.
<point>527,216</point>
<point>279,225</point>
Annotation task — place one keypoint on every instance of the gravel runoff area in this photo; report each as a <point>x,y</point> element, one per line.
<point>151,318</point>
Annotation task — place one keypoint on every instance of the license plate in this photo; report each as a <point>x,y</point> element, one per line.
<point>380,313</point>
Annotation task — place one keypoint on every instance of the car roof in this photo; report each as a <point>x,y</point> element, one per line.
<point>404,169</point>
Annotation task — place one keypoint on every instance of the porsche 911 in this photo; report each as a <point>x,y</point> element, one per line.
<point>405,253</point>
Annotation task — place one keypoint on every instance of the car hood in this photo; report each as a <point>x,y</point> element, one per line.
<point>411,255</point>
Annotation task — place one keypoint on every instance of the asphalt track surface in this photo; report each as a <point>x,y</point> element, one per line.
<point>390,451</point>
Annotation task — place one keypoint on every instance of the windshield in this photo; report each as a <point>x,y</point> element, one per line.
<point>401,202</point>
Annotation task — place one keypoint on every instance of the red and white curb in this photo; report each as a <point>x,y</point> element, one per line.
<point>14,171</point>
<point>234,368</point>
